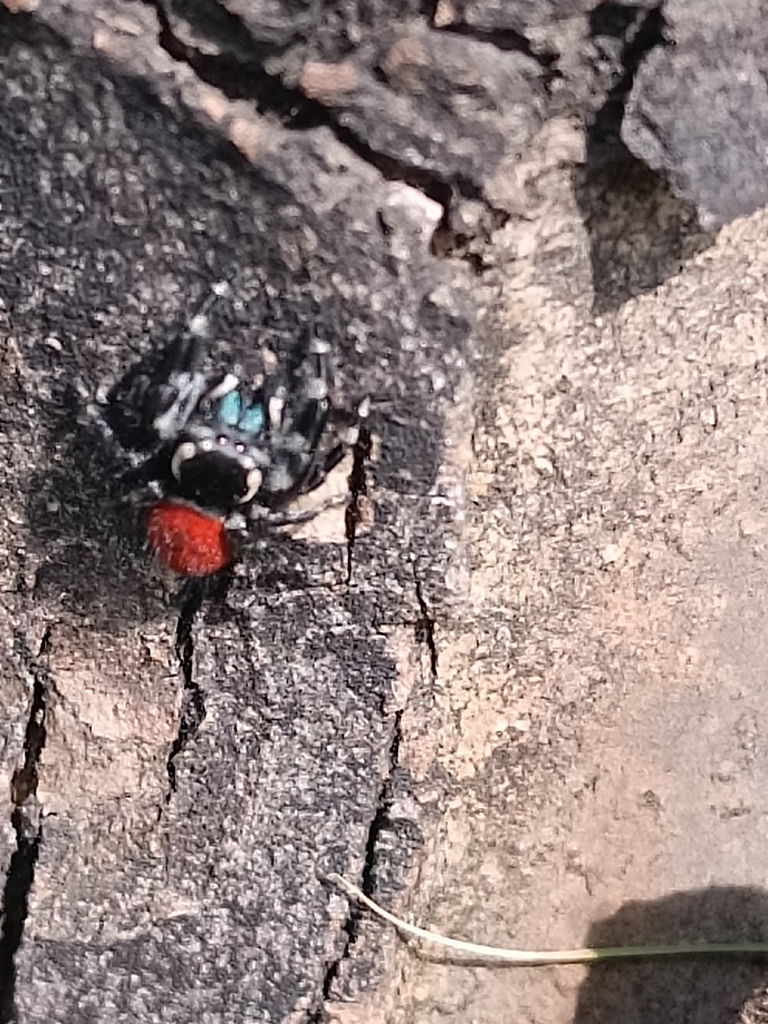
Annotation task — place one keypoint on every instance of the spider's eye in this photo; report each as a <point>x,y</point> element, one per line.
<point>185,451</point>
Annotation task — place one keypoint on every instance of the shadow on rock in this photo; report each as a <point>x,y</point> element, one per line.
<point>696,990</point>
<point>640,233</point>
<point>91,538</point>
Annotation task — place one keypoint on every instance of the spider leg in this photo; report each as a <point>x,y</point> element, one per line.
<point>158,394</point>
<point>311,384</point>
<point>179,363</point>
<point>346,426</point>
<point>170,419</point>
<point>284,517</point>
<point>141,469</point>
<point>319,470</point>
<point>297,414</point>
<point>95,416</point>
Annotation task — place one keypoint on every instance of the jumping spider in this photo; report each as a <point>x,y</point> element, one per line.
<point>219,455</point>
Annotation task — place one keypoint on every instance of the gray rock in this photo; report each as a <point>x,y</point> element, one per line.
<point>698,110</point>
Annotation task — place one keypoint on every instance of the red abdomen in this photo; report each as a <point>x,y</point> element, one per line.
<point>186,539</point>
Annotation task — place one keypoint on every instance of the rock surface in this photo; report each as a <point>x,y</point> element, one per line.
<point>531,679</point>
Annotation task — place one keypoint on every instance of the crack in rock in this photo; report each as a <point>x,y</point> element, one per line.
<point>358,489</point>
<point>425,627</point>
<point>26,819</point>
<point>193,707</point>
<point>639,32</point>
<point>508,40</point>
<point>241,78</point>
<point>379,823</point>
